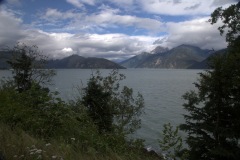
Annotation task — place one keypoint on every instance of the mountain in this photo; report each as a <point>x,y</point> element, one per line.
<point>204,64</point>
<point>182,56</point>
<point>4,56</point>
<point>159,49</point>
<point>75,61</point>
<point>134,62</point>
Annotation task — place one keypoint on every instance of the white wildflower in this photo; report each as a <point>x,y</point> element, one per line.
<point>48,144</point>
<point>33,150</point>
<point>39,157</point>
<point>73,139</point>
<point>39,151</point>
<point>21,156</point>
<point>54,157</point>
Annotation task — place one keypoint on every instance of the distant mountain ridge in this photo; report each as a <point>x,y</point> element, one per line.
<point>4,56</point>
<point>71,62</point>
<point>135,61</point>
<point>205,63</point>
<point>182,56</point>
<point>76,61</point>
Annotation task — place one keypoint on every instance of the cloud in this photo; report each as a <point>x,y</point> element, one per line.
<point>76,3</point>
<point>80,3</point>
<point>177,1</point>
<point>195,6</point>
<point>10,28</point>
<point>116,46</point>
<point>111,46</point>
<point>52,14</point>
<point>67,49</point>
<point>55,20</point>
<point>111,18</point>
<point>197,32</point>
<point>101,21</point>
<point>60,33</point>
<point>13,2</point>
<point>182,7</point>
<point>122,2</point>
<point>223,2</point>
<point>125,4</point>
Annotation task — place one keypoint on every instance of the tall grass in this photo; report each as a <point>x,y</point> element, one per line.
<point>35,124</point>
<point>17,144</point>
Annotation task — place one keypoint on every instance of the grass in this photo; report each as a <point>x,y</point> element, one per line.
<point>17,145</point>
<point>36,124</point>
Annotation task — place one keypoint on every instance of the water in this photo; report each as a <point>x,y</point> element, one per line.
<point>162,90</point>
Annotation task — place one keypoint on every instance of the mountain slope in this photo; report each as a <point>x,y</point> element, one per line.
<point>4,56</point>
<point>204,64</point>
<point>73,61</point>
<point>134,61</point>
<point>182,56</point>
<point>76,61</point>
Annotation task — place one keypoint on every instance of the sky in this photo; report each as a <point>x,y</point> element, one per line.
<point>111,29</point>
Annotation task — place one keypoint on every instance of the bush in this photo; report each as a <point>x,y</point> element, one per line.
<point>113,110</point>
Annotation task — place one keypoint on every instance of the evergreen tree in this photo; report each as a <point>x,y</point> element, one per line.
<point>171,143</point>
<point>213,122</point>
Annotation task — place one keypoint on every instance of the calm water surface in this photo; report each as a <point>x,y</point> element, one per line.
<point>162,90</point>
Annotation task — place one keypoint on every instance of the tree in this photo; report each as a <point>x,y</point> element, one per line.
<point>112,110</point>
<point>28,67</point>
<point>97,102</point>
<point>171,143</point>
<point>231,19</point>
<point>213,123</point>
<point>127,111</point>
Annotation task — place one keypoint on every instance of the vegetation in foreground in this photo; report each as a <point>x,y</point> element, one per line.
<point>36,124</point>
<point>213,122</point>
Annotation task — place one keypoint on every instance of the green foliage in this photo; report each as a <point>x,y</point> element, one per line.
<point>171,143</point>
<point>28,67</point>
<point>17,144</point>
<point>44,116</point>
<point>34,110</point>
<point>22,67</point>
<point>112,110</point>
<point>231,20</point>
<point>96,125</point>
<point>97,104</point>
<point>127,111</point>
<point>213,121</point>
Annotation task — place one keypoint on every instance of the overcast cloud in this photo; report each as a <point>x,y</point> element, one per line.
<point>114,29</point>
